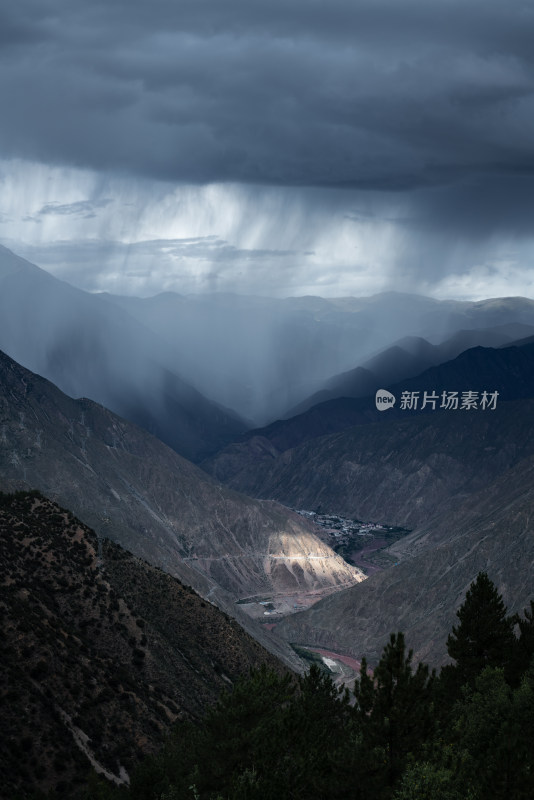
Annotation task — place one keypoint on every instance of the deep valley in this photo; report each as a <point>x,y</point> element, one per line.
<point>137,584</point>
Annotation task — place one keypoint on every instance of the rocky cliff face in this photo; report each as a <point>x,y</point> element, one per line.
<point>100,651</point>
<point>136,491</point>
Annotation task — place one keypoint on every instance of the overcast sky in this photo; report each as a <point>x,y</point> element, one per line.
<point>276,147</point>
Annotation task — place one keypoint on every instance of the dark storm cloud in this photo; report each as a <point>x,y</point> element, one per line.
<point>375,94</point>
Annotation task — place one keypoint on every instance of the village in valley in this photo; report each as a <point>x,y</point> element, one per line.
<point>359,543</point>
<point>362,544</point>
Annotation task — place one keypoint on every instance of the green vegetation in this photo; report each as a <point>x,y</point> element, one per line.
<point>407,734</point>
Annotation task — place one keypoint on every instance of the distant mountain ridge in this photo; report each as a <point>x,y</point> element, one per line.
<point>252,463</point>
<point>401,472</point>
<point>409,357</point>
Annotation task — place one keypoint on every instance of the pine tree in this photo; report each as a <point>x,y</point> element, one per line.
<point>485,636</point>
<point>317,738</point>
<point>395,707</point>
<point>524,649</point>
<point>493,736</point>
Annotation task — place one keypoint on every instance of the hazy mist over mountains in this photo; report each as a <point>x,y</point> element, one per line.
<point>261,356</point>
<point>92,349</point>
<point>170,361</point>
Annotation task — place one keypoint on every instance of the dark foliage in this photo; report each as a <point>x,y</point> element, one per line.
<point>484,637</point>
<point>273,738</point>
<point>404,733</point>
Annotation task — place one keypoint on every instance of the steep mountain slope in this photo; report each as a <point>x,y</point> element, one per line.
<point>288,461</point>
<point>491,531</point>
<point>100,651</point>
<point>91,348</point>
<point>400,472</point>
<point>358,382</point>
<point>133,489</point>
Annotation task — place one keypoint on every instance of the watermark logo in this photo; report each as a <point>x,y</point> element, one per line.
<point>384,400</point>
<point>450,401</point>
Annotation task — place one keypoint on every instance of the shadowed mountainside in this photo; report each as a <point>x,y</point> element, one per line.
<point>403,471</point>
<point>101,652</point>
